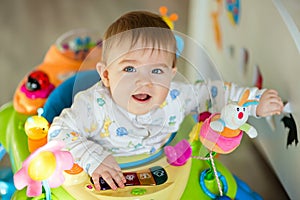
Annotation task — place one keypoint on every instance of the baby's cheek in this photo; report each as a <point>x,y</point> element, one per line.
<point>162,95</point>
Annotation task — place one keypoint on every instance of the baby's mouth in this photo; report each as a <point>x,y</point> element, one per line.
<point>141,97</point>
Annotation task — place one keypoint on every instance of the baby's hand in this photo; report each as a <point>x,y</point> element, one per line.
<point>110,171</point>
<point>269,104</point>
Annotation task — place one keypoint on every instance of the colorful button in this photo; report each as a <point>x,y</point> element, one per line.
<point>103,184</point>
<point>138,191</point>
<point>89,187</point>
<point>131,178</point>
<point>145,177</point>
<point>159,174</point>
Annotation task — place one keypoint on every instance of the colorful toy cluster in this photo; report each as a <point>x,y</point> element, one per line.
<point>24,130</point>
<point>218,133</point>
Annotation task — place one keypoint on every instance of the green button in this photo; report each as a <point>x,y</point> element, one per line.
<point>138,191</point>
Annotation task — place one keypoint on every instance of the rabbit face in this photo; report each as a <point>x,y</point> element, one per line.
<point>234,115</point>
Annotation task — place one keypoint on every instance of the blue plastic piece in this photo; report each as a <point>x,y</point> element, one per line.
<point>180,45</point>
<point>2,152</point>
<point>205,189</point>
<point>7,187</point>
<point>245,192</point>
<point>62,96</point>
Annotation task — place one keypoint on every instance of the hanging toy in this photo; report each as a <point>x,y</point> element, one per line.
<point>222,132</point>
<point>219,133</point>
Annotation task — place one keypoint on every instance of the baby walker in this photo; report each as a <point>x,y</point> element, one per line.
<point>184,168</point>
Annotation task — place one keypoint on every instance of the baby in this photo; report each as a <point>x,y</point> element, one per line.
<point>137,104</point>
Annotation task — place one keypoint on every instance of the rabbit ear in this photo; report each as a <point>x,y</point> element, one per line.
<point>244,98</point>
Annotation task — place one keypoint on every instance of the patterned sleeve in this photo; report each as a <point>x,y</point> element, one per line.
<point>213,96</point>
<point>77,126</point>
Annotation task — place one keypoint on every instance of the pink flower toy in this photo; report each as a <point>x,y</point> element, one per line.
<point>44,167</point>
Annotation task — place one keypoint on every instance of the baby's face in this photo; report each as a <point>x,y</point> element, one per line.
<point>139,81</point>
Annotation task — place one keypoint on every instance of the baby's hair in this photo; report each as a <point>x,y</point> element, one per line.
<point>143,26</point>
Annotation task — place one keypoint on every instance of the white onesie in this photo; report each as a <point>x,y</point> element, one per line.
<point>95,126</point>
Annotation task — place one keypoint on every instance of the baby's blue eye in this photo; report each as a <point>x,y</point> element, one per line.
<point>157,71</point>
<point>129,69</point>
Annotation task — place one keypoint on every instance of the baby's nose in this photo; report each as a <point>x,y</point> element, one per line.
<point>144,80</point>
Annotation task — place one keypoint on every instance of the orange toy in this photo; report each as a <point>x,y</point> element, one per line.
<point>62,60</point>
<point>168,19</point>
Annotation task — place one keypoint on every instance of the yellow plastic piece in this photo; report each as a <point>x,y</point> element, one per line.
<point>172,189</point>
<point>42,166</point>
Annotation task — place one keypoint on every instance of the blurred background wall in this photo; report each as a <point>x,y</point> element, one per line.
<point>244,36</point>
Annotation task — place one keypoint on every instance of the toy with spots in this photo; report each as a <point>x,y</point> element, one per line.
<point>37,85</point>
<point>37,80</point>
<point>222,132</point>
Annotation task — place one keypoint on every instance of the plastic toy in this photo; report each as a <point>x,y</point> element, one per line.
<point>168,19</point>
<point>62,96</point>
<point>179,154</point>
<point>44,168</point>
<point>36,128</point>
<point>37,85</point>
<point>222,132</point>
<point>70,50</point>
<point>2,151</point>
<point>7,187</point>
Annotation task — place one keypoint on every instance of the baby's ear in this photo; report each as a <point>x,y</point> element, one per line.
<point>174,71</point>
<point>103,73</point>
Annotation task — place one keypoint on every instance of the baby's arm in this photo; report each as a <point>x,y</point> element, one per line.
<point>269,104</point>
<point>269,101</point>
<point>77,127</point>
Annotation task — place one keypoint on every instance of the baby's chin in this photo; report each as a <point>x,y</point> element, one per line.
<point>139,111</point>
<point>142,111</point>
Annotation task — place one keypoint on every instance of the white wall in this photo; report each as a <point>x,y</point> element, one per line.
<point>263,32</point>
